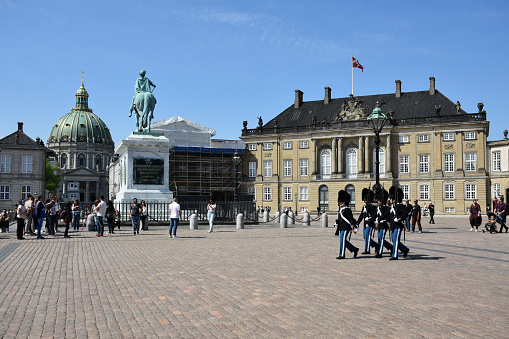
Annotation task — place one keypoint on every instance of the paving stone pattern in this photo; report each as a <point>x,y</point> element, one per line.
<point>259,282</point>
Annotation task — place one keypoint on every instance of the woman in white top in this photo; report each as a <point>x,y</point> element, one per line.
<point>21,215</point>
<point>211,214</point>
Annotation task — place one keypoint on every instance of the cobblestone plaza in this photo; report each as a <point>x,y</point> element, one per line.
<point>262,281</point>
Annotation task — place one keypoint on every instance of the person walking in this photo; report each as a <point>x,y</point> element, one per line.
<point>174,218</point>
<point>21,214</point>
<point>502,211</point>
<point>409,215</point>
<point>134,214</point>
<point>368,214</point>
<point>40,212</point>
<point>52,216</point>
<point>101,213</point>
<point>398,214</point>
<point>211,214</point>
<point>383,215</point>
<point>416,216</point>
<point>110,213</point>
<point>143,215</point>
<point>431,208</point>
<point>345,222</point>
<point>76,214</point>
<point>474,216</point>
<point>29,205</point>
<point>67,218</point>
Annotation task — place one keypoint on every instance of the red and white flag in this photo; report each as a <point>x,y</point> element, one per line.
<point>355,63</point>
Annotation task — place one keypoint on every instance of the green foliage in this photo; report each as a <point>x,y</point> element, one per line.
<point>52,178</point>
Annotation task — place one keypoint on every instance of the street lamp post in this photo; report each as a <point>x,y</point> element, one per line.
<point>236,162</point>
<point>377,120</point>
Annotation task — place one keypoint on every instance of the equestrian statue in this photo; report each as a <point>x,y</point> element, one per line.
<point>143,102</point>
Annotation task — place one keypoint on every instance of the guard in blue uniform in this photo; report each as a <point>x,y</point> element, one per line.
<point>345,223</point>
<point>383,215</point>
<point>368,214</point>
<point>398,217</point>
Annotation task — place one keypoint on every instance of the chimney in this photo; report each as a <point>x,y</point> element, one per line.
<point>298,98</point>
<point>327,98</point>
<point>431,85</point>
<point>398,88</point>
<point>20,126</point>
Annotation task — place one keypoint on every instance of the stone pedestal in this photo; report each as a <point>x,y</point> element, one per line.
<point>144,168</point>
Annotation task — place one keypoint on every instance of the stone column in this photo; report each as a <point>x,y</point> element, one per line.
<point>460,162</point>
<point>333,156</point>
<point>97,194</point>
<point>313,156</point>
<point>388,158</point>
<point>367,154</point>
<point>88,162</point>
<point>259,169</point>
<point>340,155</point>
<point>87,191</point>
<point>361,155</point>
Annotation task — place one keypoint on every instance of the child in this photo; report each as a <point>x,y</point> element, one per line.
<point>491,225</point>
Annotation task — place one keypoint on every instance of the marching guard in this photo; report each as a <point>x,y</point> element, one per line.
<point>383,215</point>
<point>398,214</point>
<point>368,214</point>
<point>345,224</point>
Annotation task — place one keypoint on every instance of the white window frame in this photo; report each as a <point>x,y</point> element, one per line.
<point>267,168</point>
<point>470,191</point>
<point>351,163</point>
<point>406,191</point>
<point>424,192</point>
<point>74,196</point>
<point>287,167</point>
<point>303,144</point>
<point>381,157</point>
<point>423,163</point>
<point>5,192</point>
<point>26,190</point>
<point>267,146</point>
<point>449,162</point>
<point>304,193</point>
<point>287,145</point>
<point>496,156</point>
<point>448,136</point>
<point>287,193</point>
<point>252,169</point>
<point>304,209</point>
<point>470,162</point>
<point>325,164</point>
<point>423,138</point>
<point>267,193</point>
<point>404,164</point>
<point>404,139</point>
<point>450,210</point>
<point>73,185</point>
<point>497,190</point>
<point>26,164</point>
<point>5,164</point>
<point>304,167</point>
<point>449,191</point>
<point>470,136</point>
<point>251,147</point>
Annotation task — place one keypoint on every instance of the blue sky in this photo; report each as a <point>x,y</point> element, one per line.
<point>221,62</point>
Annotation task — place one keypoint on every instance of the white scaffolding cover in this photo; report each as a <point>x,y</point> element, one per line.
<point>183,132</point>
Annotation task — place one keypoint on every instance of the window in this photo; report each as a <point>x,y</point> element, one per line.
<point>496,161</point>
<point>252,169</point>
<point>303,209</point>
<point>449,162</point>
<point>497,192</point>
<point>323,198</point>
<point>63,161</point>
<point>351,163</point>
<point>449,192</point>
<point>267,168</point>
<point>406,191</point>
<point>424,163</point>
<point>404,139</point>
<point>74,196</point>
<point>98,163</point>
<point>470,136</point>
<point>404,164</point>
<point>251,147</point>
<point>267,193</point>
<point>381,158</point>
<point>267,146</point>
<point>325,161</point>
<point>287,193</point>
<point>304,193</point>
<point>448,136</point>
<point>450,210</point>
<point>350,189</point>
<point>304,144</point>
<point>5,192</point>
<point>471,191</point>
<point>81,160</point>
<point>304,167</point>
<point>423,137</point>
<point>251,190</point>
<point>287,145</point>
<point>287,168</point>
<point>5,164</point>
<point>470,162</point>
<point>74,185</point>
<point>25,192</point>
<point>424,192</point>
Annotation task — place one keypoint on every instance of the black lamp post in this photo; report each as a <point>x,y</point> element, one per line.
<point>377,120</point>
<point>236,162</point>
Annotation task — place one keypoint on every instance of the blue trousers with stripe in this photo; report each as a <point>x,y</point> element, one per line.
<point>368,242</point>
<point>396,242</point>
<point>382,242</point>
<point>343,243</point>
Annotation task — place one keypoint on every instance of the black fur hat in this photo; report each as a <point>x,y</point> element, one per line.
<point>382,195</point>
<point>368,195</point>
<point>396,194</point>
<point>344,196</point>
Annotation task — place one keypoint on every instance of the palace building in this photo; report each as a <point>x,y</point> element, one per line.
<point>433,149</point>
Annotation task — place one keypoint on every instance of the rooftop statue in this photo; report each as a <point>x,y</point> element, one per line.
<point>143,102</point>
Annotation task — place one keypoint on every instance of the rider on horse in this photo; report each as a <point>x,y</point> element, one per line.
<point>143,85</point>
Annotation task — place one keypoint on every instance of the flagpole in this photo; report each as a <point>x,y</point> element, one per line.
<point>352,76</point>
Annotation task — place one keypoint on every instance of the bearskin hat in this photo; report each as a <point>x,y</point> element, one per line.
<point>382,195</point>
<point>344,196</point>
<point>368,195</point>
<point>396,194</point>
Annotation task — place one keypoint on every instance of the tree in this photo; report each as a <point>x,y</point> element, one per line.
<point>52,178</point>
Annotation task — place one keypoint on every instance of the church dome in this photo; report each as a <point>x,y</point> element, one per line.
<point>81,124</point>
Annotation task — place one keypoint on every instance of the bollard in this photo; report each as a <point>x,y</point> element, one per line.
<point>240,221</point>
<point>306,220</point>
<point>91,223</point>
<point>193,221</point>
<point>291,217</point>
<point>284,221</point>
<point>324,220</point>
<point>278,216</point>
<point>265,216</point>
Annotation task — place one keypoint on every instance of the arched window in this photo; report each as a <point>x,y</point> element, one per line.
<point>81,160</point>
<point>63,161</point>
<point>323,195</point>
<point>325,164</point>
<point>98,163</point>
<point>381,154</point>
<point>351,163</point>
<point>350,189</point>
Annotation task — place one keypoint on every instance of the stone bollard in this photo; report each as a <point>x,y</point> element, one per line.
<point>265,216</point>
<point>278,216</point>
<point>91,223</point>
<point>291,217</point>
<point>324,220</point>
<point>193,221</point>
<point>306,220</point>
<point>284,221</point>
<point>240,221</point>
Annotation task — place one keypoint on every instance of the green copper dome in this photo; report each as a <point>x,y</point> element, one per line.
<point>81,124</point>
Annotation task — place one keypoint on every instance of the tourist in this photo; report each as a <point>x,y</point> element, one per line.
<point>52,215</point>
<point>474,216</point>
<point>416,216</point>
<point>143,215</point>
<point>409,215</point>
<point>174,218</point>
<point>40,212</point>
<point>116,217</point>
<point>502,212</point>
<point>29,205</point>
<point>134,214</point>
<point>211,214</point>
<point>4,221</point>
<point>101,213</point>
<point>21,214</point>
<point>68,215</point>
<point>76,215</point>
<point>431,208</point>
<point>110,212</point>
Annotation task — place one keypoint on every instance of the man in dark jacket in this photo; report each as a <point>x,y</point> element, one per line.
<point>502,211</point>
<point>345,223</point>
<point>416,216</point>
